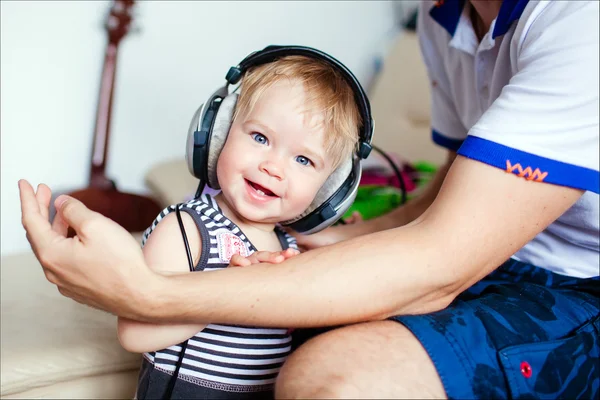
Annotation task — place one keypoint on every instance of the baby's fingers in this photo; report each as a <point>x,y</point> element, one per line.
<point>239,261</point>
<point>289,252</point>
<point>266,256</point>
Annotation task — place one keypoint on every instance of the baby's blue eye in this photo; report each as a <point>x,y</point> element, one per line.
<point>303,160</point>
<point>260,138</point>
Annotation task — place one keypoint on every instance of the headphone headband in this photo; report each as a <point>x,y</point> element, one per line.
<point>273,52</point>
<point>212,121</point>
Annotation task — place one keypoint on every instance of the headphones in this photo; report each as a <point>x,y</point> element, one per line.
<point>212,120</point>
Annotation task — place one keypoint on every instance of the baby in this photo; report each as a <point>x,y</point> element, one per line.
<point>295,121</point>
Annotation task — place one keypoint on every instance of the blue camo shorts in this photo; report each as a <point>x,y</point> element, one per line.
<point>521,332</point>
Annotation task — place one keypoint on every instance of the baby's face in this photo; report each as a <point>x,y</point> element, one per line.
<point>274,160</point>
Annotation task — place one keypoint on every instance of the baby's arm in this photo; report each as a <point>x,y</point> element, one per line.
<point>164,252</point>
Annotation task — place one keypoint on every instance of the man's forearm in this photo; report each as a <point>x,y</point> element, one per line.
<point>480,217</point>
<point>327,286</point>
<point>337,278</point>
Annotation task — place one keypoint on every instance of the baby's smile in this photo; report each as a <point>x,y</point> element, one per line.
<point>260,190</point>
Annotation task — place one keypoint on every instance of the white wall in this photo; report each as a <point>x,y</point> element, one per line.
<point>51,56</point>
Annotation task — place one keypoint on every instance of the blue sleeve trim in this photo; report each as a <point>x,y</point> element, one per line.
<point>444,141</point>
<point>530,166</point>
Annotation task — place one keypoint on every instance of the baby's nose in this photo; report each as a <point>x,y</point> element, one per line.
<point>272,168</point>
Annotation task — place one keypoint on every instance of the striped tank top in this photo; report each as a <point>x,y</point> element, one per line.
<point>221,358</point>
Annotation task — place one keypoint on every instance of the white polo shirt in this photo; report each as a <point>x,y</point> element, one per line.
<point>524,99</point>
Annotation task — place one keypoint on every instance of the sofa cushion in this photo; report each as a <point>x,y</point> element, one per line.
<point>48,339</point>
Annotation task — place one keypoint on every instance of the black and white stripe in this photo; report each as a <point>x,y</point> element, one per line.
<point>223,357</point>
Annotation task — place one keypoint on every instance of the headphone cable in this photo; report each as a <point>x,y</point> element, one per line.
<point>173,380</point>
<point>200,189</point>
<point>403,191</point>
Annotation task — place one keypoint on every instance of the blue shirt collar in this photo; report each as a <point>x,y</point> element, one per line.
<point>447,14</point>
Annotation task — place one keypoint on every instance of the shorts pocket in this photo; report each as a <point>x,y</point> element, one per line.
<point>563,368</point>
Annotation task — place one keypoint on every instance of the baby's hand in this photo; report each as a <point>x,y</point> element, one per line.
<point>273,257</point>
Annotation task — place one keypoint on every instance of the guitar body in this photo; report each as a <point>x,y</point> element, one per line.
<point>133,212</point>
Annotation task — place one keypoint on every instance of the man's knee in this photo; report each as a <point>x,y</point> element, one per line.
<point>361,360</point>
<point>312,371</point>
<point>300,379</point>
<point>326,386</point>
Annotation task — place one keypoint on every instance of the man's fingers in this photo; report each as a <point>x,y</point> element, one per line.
<point>59,225</point>
<point>29,203</point>
<point>36,225</point>
<point>74,214</point>
<point>43,196</point>
<point>354,218</point>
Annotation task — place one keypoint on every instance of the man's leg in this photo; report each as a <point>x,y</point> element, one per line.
<point>522,332</point>
<point>376,360</point>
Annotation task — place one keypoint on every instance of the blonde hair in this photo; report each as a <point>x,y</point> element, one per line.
<point>327,92</point>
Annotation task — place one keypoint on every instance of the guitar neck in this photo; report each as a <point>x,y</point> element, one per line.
<point>117,26</point>
<point>104,113</point>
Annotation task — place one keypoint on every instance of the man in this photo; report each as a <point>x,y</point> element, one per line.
<point>436,310</point>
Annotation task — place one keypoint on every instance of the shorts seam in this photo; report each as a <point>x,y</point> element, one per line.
<point>430,349</point>
<point>456,348</point>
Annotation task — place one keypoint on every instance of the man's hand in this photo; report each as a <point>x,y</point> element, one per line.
<point>273,257</point>
<point>102,266</point>
<point>354,218</point>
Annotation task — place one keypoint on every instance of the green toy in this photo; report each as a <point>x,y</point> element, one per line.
<point>373,200</point>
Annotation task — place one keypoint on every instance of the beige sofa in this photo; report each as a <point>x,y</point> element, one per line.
<point>53,347</point>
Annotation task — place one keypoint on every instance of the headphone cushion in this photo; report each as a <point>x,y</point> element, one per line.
<point>331,185</point>
<point>220,130</point>
<point>189,144</point>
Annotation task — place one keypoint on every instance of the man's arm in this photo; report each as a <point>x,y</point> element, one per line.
<point>481,217</point>
<point>396,218</point>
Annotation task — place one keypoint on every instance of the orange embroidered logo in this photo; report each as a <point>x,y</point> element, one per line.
<point>439,3</point>
<point>527,173</point>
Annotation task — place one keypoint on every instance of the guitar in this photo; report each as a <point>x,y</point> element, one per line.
<point>133,212</point>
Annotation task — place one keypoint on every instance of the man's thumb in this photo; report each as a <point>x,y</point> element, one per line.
<point>72,211</point>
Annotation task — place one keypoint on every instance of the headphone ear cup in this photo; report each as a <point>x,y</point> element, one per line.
<point>207,134</point>
<point>190,143</point>
<point>220,131</point>
<point>199,132</point>
<point>331,202</point>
